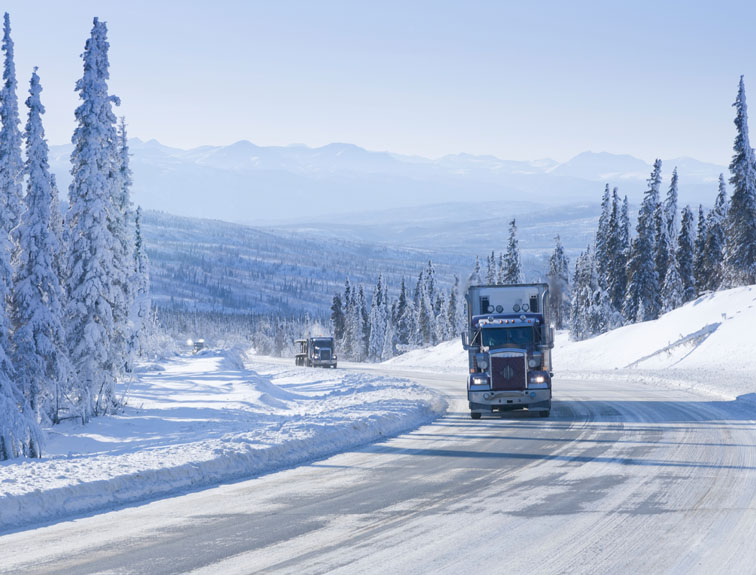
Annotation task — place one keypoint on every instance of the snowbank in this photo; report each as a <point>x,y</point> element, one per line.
<point>708,344</point>
<point>202,420</point>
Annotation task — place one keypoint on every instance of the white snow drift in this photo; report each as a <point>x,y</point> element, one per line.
<point>202,420</point>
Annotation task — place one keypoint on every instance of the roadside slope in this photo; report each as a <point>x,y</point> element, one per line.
<point>198,421</point>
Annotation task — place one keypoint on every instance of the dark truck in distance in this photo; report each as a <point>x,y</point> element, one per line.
<point>509,340</point>
<point>316,352</point>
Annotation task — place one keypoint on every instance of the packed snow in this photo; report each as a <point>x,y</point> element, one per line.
<point>199,420</point>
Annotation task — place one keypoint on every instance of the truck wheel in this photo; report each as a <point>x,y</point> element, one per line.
<point>544,413</point>
<point>474,415</point>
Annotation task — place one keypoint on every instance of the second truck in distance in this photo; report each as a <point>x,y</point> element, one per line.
<point>509,339</point>
<point>316,352</point>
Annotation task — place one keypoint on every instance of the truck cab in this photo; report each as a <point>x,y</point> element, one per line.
<point>509,341</point>
<point>315,352</point>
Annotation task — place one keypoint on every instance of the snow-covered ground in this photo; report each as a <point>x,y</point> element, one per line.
<point>196,421</point>
<point>707,345</point>
<point>200,420</point>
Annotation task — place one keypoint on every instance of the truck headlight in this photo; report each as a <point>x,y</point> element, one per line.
<point>538,379</point>
<point>480,380</point>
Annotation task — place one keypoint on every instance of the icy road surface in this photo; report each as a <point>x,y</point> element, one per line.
<point>622,478</point>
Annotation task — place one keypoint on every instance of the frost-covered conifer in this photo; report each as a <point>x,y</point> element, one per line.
<point>616,274</point>
<point>11,163</point>
<point>513,265</point>
<point>603,255</point>
<point>39,349</point>
<point>364,322</point>
<point>378,322</point>
<point>403,316</point>
<point>491,273</point>
<point>559,285</point>
<point>714,242</point>
<point>94,296</point>
<point>475,278</point>
<point>590,306</point>
<point>670,211</point>
<point>337,318</point>
<point>700,273</point>
<point>642,292</point>
<point>453,313</point>
<point>740,228</point>
<point>685,255</point>
<point>143,328</point>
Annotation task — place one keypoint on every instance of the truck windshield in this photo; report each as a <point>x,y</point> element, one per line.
<point>522,337</point>
<point>322,342</point>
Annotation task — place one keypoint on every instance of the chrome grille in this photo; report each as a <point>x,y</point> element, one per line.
<point>508,373</point>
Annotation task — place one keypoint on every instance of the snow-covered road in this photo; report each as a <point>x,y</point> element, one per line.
<point>623,478</point>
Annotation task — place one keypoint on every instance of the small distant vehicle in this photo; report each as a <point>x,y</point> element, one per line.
<point>509,340</point>
<point>316,352</point>
<point>198,346</point>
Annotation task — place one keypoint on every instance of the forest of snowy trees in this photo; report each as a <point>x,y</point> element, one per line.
<point>75,288</point>
<point>673,257</point>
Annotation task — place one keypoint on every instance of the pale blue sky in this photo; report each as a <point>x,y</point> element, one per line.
<point>520,80</point>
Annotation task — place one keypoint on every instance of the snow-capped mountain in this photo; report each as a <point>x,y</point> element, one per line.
<point>247,183</point>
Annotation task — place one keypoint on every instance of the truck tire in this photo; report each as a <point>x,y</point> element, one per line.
<point>475,415</point>
<point>544,413</point>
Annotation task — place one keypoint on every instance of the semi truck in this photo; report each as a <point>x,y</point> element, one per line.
<point>315,352</point>
<point>509,339</point>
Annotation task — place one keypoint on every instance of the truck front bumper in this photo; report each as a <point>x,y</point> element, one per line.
<point>324,363</point>
<point>488,401</point>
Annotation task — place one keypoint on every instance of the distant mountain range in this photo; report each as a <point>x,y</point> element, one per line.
<point>247,183</point>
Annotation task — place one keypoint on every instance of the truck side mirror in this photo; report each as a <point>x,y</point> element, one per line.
<point>465,339</point>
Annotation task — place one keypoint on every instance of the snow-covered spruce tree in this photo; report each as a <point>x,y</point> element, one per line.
<point>403,318</point>
<point>364,322</point>
<point>94,280</point>
<point>670,211</point>
<point>11,163</point>
<point>39,347</point>
<point>513,264</point>
<point>685,255</point>
<point>590,306</point>
<point>345,344</point>
<point>441,324</point>
<point>125,281</point>
<point>603,256</point>
<point>740,228</point>
<point>700,273</point>
<point>378,322</point>
<point>714,242</point>
<point>337,318</point>
<point>663,251</point>
<point>453,316</point>
<point>559,285</point>
<point>673,290</point>
<point>642,293</point>
<point>491,272</point>
<point>500,270</point>
<point>143,327</point>
<point>475,278</point>
<point>616,274</point>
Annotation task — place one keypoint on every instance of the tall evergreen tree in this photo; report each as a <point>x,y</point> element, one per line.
<point>513,265</point>
<point>39,350</point>
<point>93,293</point>
<point>685,255</point>
<point>559,285</point>
<point>378,322</point>
<point>714,242</point>
<point>491,273</point>
<point>740,229</point>
<point>337,317</point>
<point>403,316</point>
<point>616,272</point>
<point>143,324</point>
<point>700,273</point>
<point>452,314</point>
<point>11,163</point>
<point>364,323</point>
<point>670,211</point>
<point>475,278</point>
<point>642,293</point>
<point>603,256</point>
